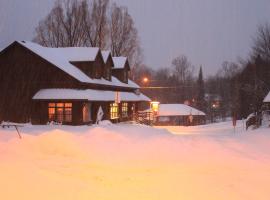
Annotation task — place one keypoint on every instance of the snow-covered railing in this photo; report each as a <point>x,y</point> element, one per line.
<point>9,125</point>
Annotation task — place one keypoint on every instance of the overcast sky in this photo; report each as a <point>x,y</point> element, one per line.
<point>207,31</point>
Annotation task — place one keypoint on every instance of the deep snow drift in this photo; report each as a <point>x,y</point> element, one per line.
<point>135,162</point>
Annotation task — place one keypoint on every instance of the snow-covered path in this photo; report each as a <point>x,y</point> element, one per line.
<point>135,162</point>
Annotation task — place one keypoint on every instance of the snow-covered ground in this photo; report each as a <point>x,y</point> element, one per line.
<point>125,161</point>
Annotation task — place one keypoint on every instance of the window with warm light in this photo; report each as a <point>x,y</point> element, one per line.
<point>124,109</point>
<point>51,110</point>
<point>60,112</point>
<point>155,106</point>
<point>114,111</point>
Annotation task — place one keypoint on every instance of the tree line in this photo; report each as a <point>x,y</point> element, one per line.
<point>236,90</point>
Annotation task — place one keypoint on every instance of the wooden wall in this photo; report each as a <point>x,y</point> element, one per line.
<point>23,74</point>
<point>120,74</point>
<point>94,69</point>
<point>108,65</point>
<point>40,113</point>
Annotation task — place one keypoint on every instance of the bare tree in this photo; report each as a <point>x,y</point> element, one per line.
<point>229,70</point>
<point>64,25</point>
<point>261,44</point>
<point>78,23</point>
<point>49,32</point>
<point>124,36</point>
<point>183,69</point>
<point>96,24</point>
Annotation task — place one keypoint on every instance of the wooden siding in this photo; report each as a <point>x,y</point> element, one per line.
<point>23,74</point>
<point>108,65</point>
<point>94,69</point>
<point>121,74</point>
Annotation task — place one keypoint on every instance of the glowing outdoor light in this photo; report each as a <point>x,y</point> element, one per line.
<point>154,106</point>
<point>145,80</point>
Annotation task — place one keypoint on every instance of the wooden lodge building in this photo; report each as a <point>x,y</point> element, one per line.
<point>65,85</point>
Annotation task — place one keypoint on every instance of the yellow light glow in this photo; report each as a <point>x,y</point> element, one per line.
<point>155,106</point>
<point>145,80</point>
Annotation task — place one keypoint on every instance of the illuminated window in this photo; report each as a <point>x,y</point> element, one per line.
<point>60,112</point>
<point>154,106</point>
<point>114,111</point>
<point>124,109</point>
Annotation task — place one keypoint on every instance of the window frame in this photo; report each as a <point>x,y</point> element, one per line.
<point>60,112</point>
<point>114,111</point>
<point>124,109</point>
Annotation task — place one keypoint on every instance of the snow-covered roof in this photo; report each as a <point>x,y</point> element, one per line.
<point>89,94</point>
<point>177,110</point>
<point>78,54</point>
<point>119,62</point>
<point>57,59</point>
<point>60,57</point>
<point>267,98</point>
<point>105,55</point>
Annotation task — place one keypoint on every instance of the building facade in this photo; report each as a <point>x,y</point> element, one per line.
<point>266,102</point>
<point>64,85</point>
<point>179,115</point>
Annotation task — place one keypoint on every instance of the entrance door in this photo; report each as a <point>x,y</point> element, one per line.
<point>86,112</point>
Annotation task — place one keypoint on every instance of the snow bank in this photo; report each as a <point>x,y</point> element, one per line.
<point>134,162</point>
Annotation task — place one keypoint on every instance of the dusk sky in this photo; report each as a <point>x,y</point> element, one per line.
<point>208,32</point>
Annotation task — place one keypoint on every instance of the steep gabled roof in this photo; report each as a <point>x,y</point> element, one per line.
<point>120,62</point>
<point>78,54</point>
<point>61,60</point>
<point>56,58</point>
<point>105,55</point>
<point>178,110</point>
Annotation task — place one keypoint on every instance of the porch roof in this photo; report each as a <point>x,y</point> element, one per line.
<point>178,110</point>
<point>89,95</point>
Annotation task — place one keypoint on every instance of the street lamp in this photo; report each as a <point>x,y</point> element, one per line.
<point>145,80</point>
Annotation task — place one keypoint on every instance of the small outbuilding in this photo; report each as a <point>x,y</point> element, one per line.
<point>266,102</point>
<point>179,115</point>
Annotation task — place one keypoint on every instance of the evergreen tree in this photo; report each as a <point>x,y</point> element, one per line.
<point>201,104</point>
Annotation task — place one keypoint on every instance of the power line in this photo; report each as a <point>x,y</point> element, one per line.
<point>169,87</point>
